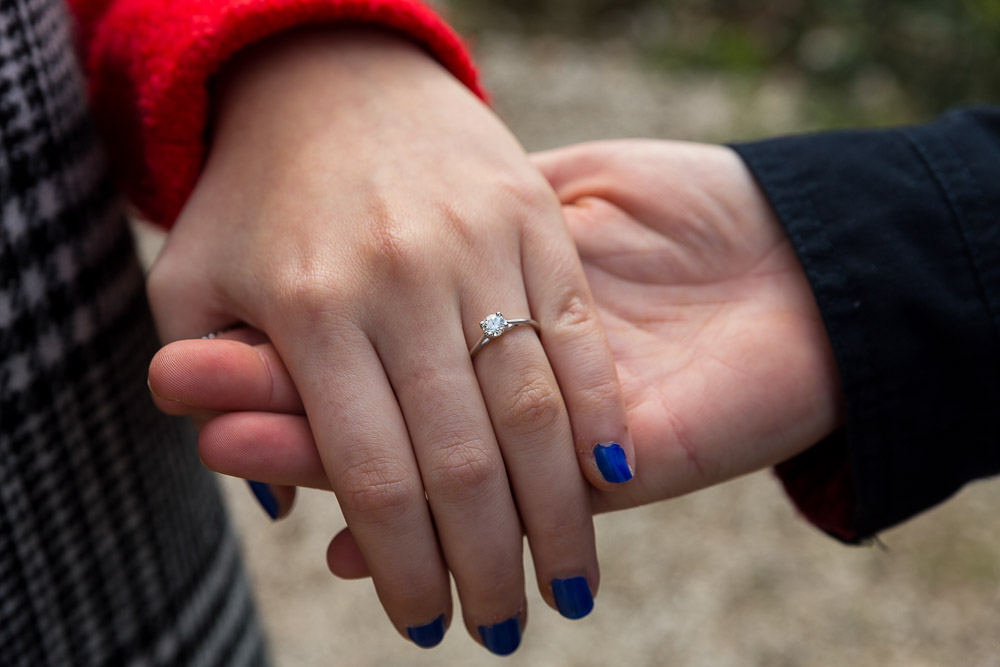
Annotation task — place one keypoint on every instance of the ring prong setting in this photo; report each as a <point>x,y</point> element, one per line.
<point>494,325</point>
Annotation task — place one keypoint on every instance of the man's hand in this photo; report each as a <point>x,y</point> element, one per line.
<point>720,348</point>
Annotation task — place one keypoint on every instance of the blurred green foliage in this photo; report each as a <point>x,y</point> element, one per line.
<point>859,61</point>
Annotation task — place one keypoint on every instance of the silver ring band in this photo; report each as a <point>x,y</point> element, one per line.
<point>496,325</point>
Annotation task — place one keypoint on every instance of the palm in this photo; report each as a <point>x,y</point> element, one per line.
<point>719,345</point>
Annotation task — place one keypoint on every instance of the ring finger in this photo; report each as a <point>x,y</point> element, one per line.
<point>364,447</point>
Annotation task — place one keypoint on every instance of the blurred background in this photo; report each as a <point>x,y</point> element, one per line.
<point>729,576</point>
<point>850,62</point>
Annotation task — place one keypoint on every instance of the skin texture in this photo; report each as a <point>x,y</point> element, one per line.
<point>723,358</point>
<point>364,211</point>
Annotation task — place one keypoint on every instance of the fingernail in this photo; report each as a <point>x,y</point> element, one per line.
<point>262,492</point>
<point>502,638</point>
<point>611,462</point>
<point>427,636</point>
<point>573,597</point>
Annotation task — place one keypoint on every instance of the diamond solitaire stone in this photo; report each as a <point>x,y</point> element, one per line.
<point>494,325</point>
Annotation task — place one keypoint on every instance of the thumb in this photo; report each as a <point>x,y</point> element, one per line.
<point>573,170</point>
<point>586,169</point>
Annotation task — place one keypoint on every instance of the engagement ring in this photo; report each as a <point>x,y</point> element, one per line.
<point>496,325</point>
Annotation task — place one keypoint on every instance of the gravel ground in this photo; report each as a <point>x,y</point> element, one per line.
<point>725,577</point>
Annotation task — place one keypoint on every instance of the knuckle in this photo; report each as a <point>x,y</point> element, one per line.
<point>505,582</point>
<point>376,491</point>
<point>575,313</point>
<point>457,227</point>
<point>301,297</point>
<point>598,397</point>
<point>389,248</point>
<point>535,407</point>
<point>564,528</point>
<point>464,470</point>
<point>529,194</point>
<point>308,294</point>
<point>412,587</point>
<point>304,292</point>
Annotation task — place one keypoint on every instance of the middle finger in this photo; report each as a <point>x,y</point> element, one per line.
<point>462,471</point>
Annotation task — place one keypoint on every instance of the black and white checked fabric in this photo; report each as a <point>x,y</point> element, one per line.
<point>114,546</point>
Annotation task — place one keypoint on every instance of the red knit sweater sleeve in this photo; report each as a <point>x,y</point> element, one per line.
<point>149,64</point>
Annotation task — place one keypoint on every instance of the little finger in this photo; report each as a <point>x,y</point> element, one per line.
<point>578,350</point>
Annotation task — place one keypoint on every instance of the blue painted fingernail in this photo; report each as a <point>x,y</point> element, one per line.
<point>573,597</point>
<point>262,492</point>
<point>428,636</point>
<point>611,462</point>
<point>502,638</point>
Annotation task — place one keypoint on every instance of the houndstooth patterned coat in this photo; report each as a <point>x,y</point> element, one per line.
<point>114,546</point>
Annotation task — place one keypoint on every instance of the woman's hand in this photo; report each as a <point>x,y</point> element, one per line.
<point>723,358</point>
<point>365,211</point>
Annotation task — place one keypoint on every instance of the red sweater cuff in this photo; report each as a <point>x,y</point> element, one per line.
<point>149,63</point>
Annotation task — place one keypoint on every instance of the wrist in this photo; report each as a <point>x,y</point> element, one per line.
<point>291,91</point>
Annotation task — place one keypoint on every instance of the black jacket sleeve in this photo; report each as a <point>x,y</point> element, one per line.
<point>899,234</point>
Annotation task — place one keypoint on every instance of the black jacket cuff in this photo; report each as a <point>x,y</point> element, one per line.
<point>899,234</point>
